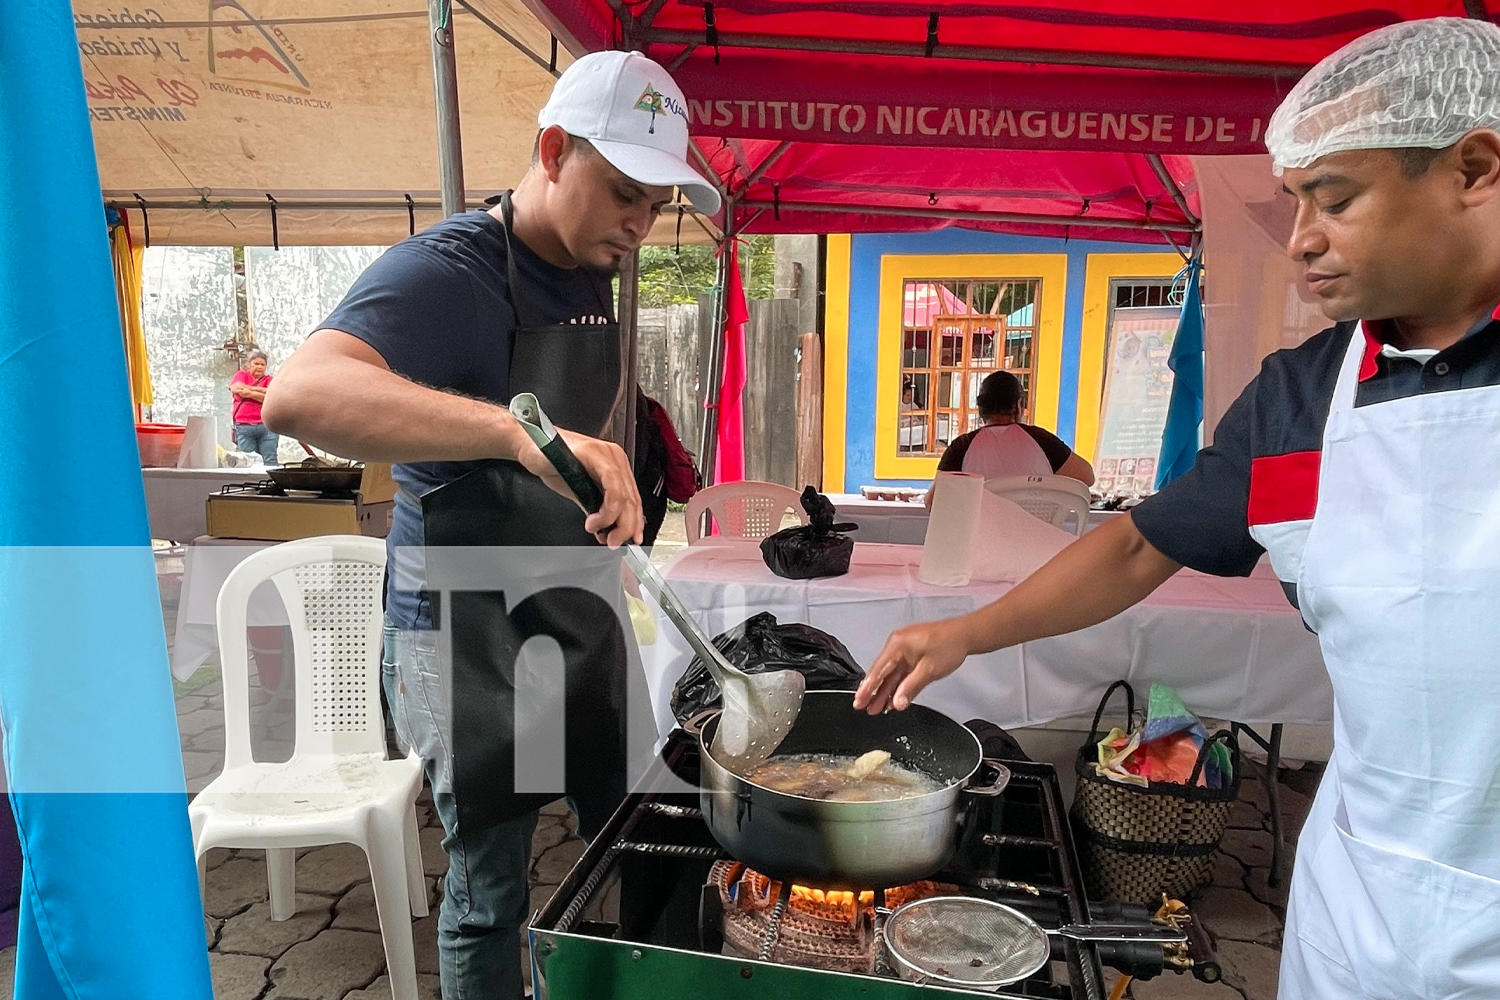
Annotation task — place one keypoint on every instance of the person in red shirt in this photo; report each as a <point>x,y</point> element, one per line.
<point>248,386</point>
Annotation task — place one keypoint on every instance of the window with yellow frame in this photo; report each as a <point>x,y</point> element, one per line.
<point>999,307</point>
<point>955,333</point>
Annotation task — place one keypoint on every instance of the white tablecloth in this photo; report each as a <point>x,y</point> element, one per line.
<point>903,522</point>
<point>206,564</point>
<point>1233,648</point>
<point>176,498</point>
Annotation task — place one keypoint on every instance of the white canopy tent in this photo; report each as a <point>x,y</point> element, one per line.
<point>215,117</point>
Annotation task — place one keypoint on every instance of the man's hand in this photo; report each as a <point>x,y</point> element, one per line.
<point>620,519</point>
<point>913,658</point>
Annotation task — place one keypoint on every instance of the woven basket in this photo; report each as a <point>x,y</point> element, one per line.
<point>1138,843</point>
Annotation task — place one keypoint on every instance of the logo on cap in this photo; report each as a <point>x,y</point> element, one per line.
<point>651,100</point>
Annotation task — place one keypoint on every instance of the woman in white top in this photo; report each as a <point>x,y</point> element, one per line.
<point>1006,447</point>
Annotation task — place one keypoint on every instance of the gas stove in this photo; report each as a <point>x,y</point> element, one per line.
<point>655,910</point>
<point>266,511</point>
<point>269,488</point>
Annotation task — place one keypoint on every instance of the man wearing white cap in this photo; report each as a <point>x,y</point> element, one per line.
<point>415,367</point>
<point>1366,462</point>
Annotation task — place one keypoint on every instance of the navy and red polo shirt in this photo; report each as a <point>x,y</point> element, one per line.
<point>1261,472</point>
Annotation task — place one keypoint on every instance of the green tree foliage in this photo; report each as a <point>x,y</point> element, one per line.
<point>677,275</point>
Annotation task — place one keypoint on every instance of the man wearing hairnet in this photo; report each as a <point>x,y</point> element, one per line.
<point>1366,462</point>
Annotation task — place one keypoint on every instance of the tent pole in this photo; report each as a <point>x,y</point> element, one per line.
<point>122,202</point>
<point>200,203</point>
<point>708,430</point>
<point>519,45</point>
<point>766,164</point>
<point>709,443</point>
<point>1089,222</point>
<point>709,173</point>
<point>445,88</point>
<point>1170,183</point>
<point>654,8</point>
<point>980,53</point>
<point>630,286</point>
<point>680,58</point>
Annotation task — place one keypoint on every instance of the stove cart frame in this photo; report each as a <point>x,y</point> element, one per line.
<point>651,863</point>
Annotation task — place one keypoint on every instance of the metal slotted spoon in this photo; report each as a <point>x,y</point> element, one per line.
<point>759,709</point>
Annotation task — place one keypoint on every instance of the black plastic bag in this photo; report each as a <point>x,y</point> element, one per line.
<point>815,549</point>
<point>759,644</point>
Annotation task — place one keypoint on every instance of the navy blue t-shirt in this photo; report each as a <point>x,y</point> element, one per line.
<point>437,308</point>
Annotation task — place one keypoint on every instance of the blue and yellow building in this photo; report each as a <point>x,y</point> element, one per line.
<point>913,319</point>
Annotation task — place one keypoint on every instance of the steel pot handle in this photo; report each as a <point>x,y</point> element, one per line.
<point>995,785</point>
<point>694,726</point>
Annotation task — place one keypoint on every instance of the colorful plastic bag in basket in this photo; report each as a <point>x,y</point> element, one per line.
<point>1165,748</point>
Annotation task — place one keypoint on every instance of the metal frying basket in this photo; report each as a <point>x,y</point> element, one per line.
<point>964,941</point>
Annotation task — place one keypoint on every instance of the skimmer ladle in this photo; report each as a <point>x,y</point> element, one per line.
<point>759,709</point>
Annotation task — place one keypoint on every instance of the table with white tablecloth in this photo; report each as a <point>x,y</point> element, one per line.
<point>176,499</point>
<point>1233,648</point>
<point>904,522</point>
<point>206,564</point>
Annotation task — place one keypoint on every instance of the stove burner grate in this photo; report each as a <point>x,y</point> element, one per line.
<point>799,925</point>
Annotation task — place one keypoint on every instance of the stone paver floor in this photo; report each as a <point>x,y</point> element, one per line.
<point>331,948</point>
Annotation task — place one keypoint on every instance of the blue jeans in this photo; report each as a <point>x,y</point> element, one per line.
<point>487,891</point>
<point>486,902</point>
<point>257,438</point>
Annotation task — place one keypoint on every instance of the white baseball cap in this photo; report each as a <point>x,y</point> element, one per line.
<point>629,109</point>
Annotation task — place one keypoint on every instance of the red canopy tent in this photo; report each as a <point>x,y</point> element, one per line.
<point>850,115</point>
<point>1052,117</point>
<point>810,187</point>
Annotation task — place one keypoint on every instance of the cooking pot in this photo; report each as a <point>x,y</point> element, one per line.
<point>850,845</point>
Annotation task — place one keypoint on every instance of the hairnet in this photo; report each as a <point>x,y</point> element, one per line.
<point>1418,84</point>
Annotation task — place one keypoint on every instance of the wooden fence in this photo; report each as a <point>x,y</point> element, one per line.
<point>674,357</point>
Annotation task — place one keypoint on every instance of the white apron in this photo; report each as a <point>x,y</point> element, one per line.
<point>1396,892</point>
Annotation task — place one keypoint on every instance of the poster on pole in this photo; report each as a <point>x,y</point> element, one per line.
<point>1137,390</point>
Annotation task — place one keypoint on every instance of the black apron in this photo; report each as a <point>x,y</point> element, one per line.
<point>574,370</point>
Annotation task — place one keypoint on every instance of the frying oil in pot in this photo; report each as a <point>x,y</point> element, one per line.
<point>827,776</point>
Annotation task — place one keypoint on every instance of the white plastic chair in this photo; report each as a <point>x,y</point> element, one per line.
<point>338,787</point>
<point>1054,499</point>
<point>749,509</point>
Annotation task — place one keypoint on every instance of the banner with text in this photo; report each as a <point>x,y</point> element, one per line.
<point>1137,389</point>
<point>969,105</point>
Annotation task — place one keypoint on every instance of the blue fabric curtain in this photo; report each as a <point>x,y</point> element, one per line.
<point>110,907</point>
<point>1183,434</point>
